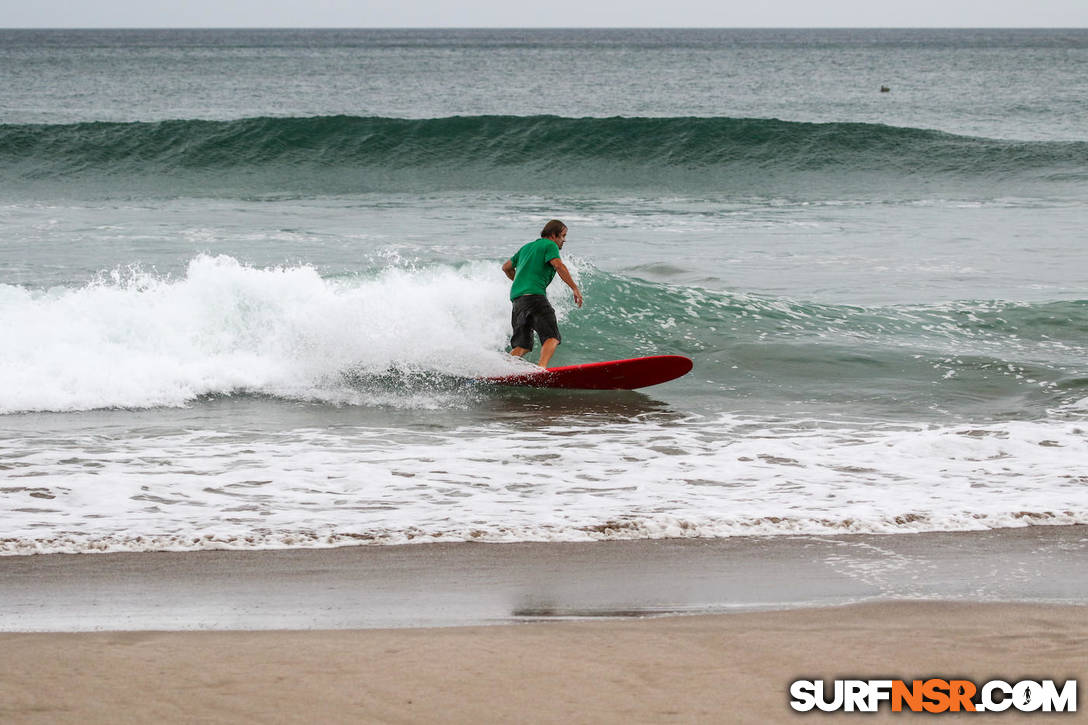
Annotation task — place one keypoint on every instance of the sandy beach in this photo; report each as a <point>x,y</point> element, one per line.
<point>722,668</point>
<point>393,634</point>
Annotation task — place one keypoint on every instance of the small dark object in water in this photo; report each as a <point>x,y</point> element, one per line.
<point>885,89</point>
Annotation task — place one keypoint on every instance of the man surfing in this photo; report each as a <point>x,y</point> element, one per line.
<point>532,269</point>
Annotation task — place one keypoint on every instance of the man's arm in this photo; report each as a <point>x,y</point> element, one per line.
<point>508,267</point>
<point>564,274</point>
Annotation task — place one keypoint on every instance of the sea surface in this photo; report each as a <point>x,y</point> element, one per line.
<point>247,279</point>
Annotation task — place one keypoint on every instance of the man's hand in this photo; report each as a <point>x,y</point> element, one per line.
<point>564,274</point>
<point>508,268</point>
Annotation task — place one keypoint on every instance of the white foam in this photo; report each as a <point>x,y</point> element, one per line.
<point>719,477</point>
<point>135,339</point>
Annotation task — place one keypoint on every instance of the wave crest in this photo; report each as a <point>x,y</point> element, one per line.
<point>351,153</point>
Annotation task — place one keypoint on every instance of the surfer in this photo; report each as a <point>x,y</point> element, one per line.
<point>532,269</point>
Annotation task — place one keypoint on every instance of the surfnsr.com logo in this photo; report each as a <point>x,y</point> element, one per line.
<point>933,695</point>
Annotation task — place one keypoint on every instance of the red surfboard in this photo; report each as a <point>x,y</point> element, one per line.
<point>638,372</point>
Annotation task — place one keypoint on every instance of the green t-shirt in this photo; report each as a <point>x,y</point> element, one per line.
<point>532,269</point>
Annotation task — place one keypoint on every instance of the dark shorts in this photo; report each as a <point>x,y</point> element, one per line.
<point>532,313</point>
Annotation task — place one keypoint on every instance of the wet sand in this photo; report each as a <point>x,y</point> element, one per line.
<point>431,585</point>
<point>717,668</point>
<point>392,634</point>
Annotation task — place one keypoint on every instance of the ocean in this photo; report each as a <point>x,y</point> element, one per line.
<point>249,277</point>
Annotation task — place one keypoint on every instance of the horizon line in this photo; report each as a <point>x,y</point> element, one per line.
<point>546,27</point>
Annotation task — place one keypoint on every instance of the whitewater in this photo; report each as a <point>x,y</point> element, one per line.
<point>146,341</point>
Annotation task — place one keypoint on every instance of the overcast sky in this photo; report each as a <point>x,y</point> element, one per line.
<point>551,13</point>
